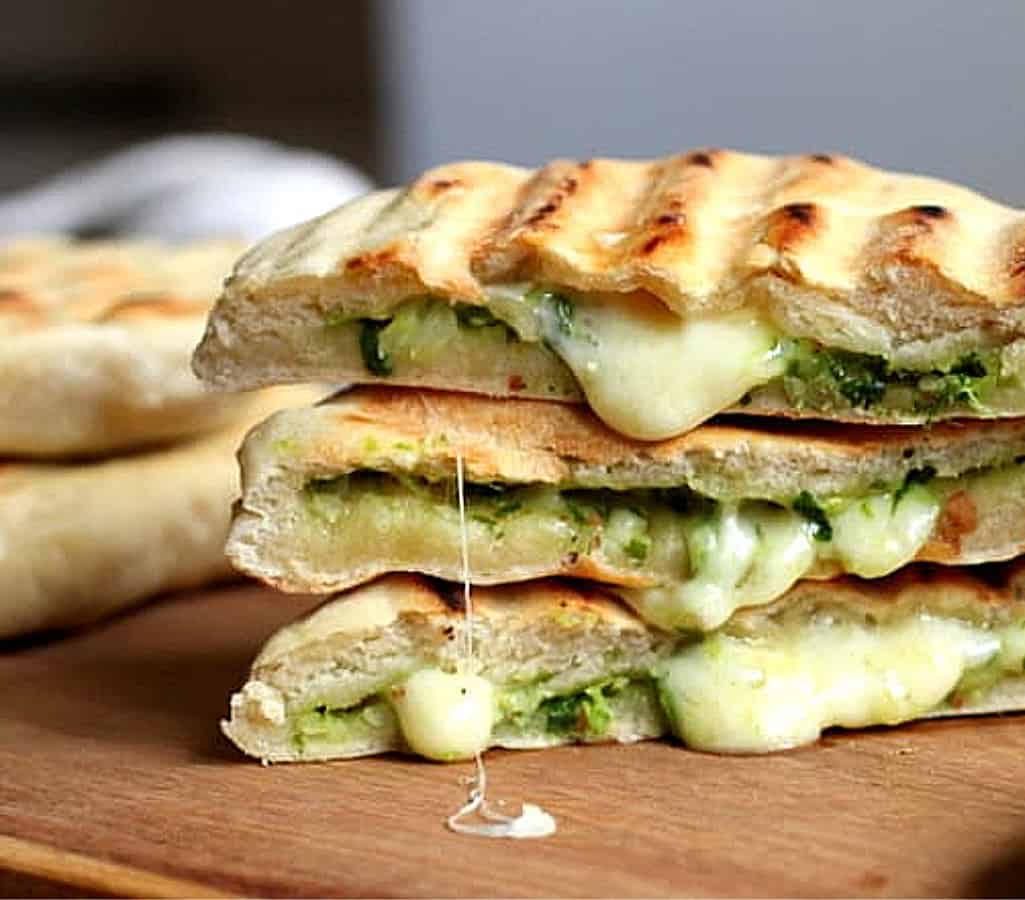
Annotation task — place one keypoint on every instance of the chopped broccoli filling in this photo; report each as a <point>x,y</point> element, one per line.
<point>805,505</point>
<point>725,691</point>
<point>323,724</point>
<point>818,377</point>
<point>585,712</point>
<point>915,476</point>
<point>422,330</point>
<point>375,359</point>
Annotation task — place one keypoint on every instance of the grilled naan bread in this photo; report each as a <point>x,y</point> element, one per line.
<point>80,541</point>
<point>659,291</point>
<point>686,530</point>
<point>96,344</point>
<point>384,667</point>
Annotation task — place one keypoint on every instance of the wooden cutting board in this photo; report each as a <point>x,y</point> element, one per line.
<point>115,779</point>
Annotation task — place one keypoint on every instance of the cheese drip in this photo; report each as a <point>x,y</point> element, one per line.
<point>733,694</point>
<point>650,374</point>
<point>532,821</point>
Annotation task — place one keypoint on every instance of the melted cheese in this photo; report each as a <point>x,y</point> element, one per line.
<point>744,555</point>
<point>734,695</point>
<point>652,375</point>
<point>878,535</point>
<point>444,716</point>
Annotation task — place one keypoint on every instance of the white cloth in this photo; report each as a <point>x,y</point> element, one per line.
<point>186,187</point>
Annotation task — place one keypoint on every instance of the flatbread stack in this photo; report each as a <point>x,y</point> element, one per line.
<point>731,447</point>
<point>116,465</point>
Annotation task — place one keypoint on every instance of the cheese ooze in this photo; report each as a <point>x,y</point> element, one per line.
<point>749,554</point>
<point>443,715</point>
<point>650,374</point>
<point>681,569</point>
<point>875,536</point>
<point>731,691</point>
<point>737,695</point>
<point>742,555</point>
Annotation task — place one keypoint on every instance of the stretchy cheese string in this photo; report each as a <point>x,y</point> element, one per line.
<point>532,821</point>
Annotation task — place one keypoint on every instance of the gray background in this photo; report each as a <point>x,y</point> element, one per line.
<point>398,85</point>
<point>911,84</point>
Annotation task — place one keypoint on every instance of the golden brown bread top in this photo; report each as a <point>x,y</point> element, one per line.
<point>699,230</point>
<point>52,281</point>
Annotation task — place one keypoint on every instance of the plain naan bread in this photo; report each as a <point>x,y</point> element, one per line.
<point>81,541</point>
<point>96,344</point>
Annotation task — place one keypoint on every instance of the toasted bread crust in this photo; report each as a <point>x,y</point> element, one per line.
<point>830,248</point>
<point>565,631</point>
<point>524,441</point>
<point>510,442</point>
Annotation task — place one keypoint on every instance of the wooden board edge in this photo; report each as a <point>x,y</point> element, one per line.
<point>96,875</point>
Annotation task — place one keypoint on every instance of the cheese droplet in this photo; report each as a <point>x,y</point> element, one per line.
<point>444,715</point>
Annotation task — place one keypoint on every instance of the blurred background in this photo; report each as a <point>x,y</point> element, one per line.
<point>398,85</point>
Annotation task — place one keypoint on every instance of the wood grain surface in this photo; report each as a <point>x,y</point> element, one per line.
<point>111,764</point>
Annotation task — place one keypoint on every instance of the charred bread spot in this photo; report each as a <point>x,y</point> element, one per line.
<point>958,519</point>
<point>439,185</point>
<point>568,185</point>
<point>370,263</point>
<point>516,383</point>
<point>930,211</point>
<point>703,158</point>
<point>669,225</point>
<point>823,158</point>
<point>792,224</point>
<point>652,244</point>
<point>670,218</point>
<point>538,216</point>
<point>802,213</point>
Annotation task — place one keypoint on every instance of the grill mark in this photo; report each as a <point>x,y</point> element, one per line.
<point>566,187</point>
<point>439,185</point>
<point>543,211</point>
<point>369,262</point>
<point>151,307</point>
<point>702,158</point>
<point>652,244</point>
<point>793,224</point>
<point>931,211</point>
<point>802,213</point>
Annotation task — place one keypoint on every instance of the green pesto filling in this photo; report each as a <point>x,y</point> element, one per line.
<point>623,523</point>
<point>586,714</point>
<point>814,376</point>
<point>684,561</point>
<point>821,378</point>
<point>593,712</point>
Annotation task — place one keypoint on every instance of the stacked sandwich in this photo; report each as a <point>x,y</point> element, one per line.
<point>738,433</point>
<point>117,466</point>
